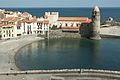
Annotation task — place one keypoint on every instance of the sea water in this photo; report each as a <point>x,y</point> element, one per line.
<point>70,54</point>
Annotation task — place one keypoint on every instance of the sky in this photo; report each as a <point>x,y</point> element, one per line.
<point>59,3</point>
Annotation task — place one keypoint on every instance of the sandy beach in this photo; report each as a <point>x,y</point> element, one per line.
<point>8,49</point>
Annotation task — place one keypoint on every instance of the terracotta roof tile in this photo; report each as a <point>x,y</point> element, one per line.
<point>86,22</point>
<point>34,20</point>
<point>72,18</point>
<point>10,19</point>
<point>30,20</point>
<point>70,27</point>
<point>43,21</point>
<point>7,25</point>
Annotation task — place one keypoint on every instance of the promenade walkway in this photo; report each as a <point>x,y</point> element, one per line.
<point>64,74</point>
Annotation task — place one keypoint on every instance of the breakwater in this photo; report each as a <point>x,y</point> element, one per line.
<point>60,34</point>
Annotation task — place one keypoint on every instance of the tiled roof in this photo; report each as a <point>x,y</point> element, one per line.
<point>10,19</point>
<point>7,25</point>
<point>72,18</point>
<point>35,20</point>
<point>43,21</point>
<point>87,21</point>
<point>30,20</point>
<point>70,27</point>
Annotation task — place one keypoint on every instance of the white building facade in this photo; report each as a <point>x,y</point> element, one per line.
<point>34,27</point>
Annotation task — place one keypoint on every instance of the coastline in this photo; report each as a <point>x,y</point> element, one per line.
<point>9,48</point>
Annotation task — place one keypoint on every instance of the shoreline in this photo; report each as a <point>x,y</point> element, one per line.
<point>8,50</point>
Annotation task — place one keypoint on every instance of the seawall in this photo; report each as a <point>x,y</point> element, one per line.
<point>105,32</point>
<point>60,34</point>
<point>63,74</point>
<point>110,32</point>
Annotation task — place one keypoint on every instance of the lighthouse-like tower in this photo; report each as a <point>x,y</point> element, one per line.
<point>95,25</point>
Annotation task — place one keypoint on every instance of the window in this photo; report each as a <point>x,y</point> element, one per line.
<point>6,31</point>
<point>44,24</point>
<point>60,24</point>
<point>12,35</point>
<point>18,27</point>
<point>9,31</point>
<point>66,24</point>
<point>71,24</point>
<point>4,35</point>
<point>18,34</point>
<point>7,22</point>
<point>9,35</point>
<point>38,24</point>
<point>77,25</point>
<point>28,27</point>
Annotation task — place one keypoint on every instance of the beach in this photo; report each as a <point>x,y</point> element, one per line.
<point>8,49</point>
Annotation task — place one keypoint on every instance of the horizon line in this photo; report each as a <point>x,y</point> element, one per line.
<point>58,7</point>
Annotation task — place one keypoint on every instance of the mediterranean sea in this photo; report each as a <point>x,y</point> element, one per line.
<point>70,54</point>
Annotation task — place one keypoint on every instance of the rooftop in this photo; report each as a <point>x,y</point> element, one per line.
<point>72,19</point>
